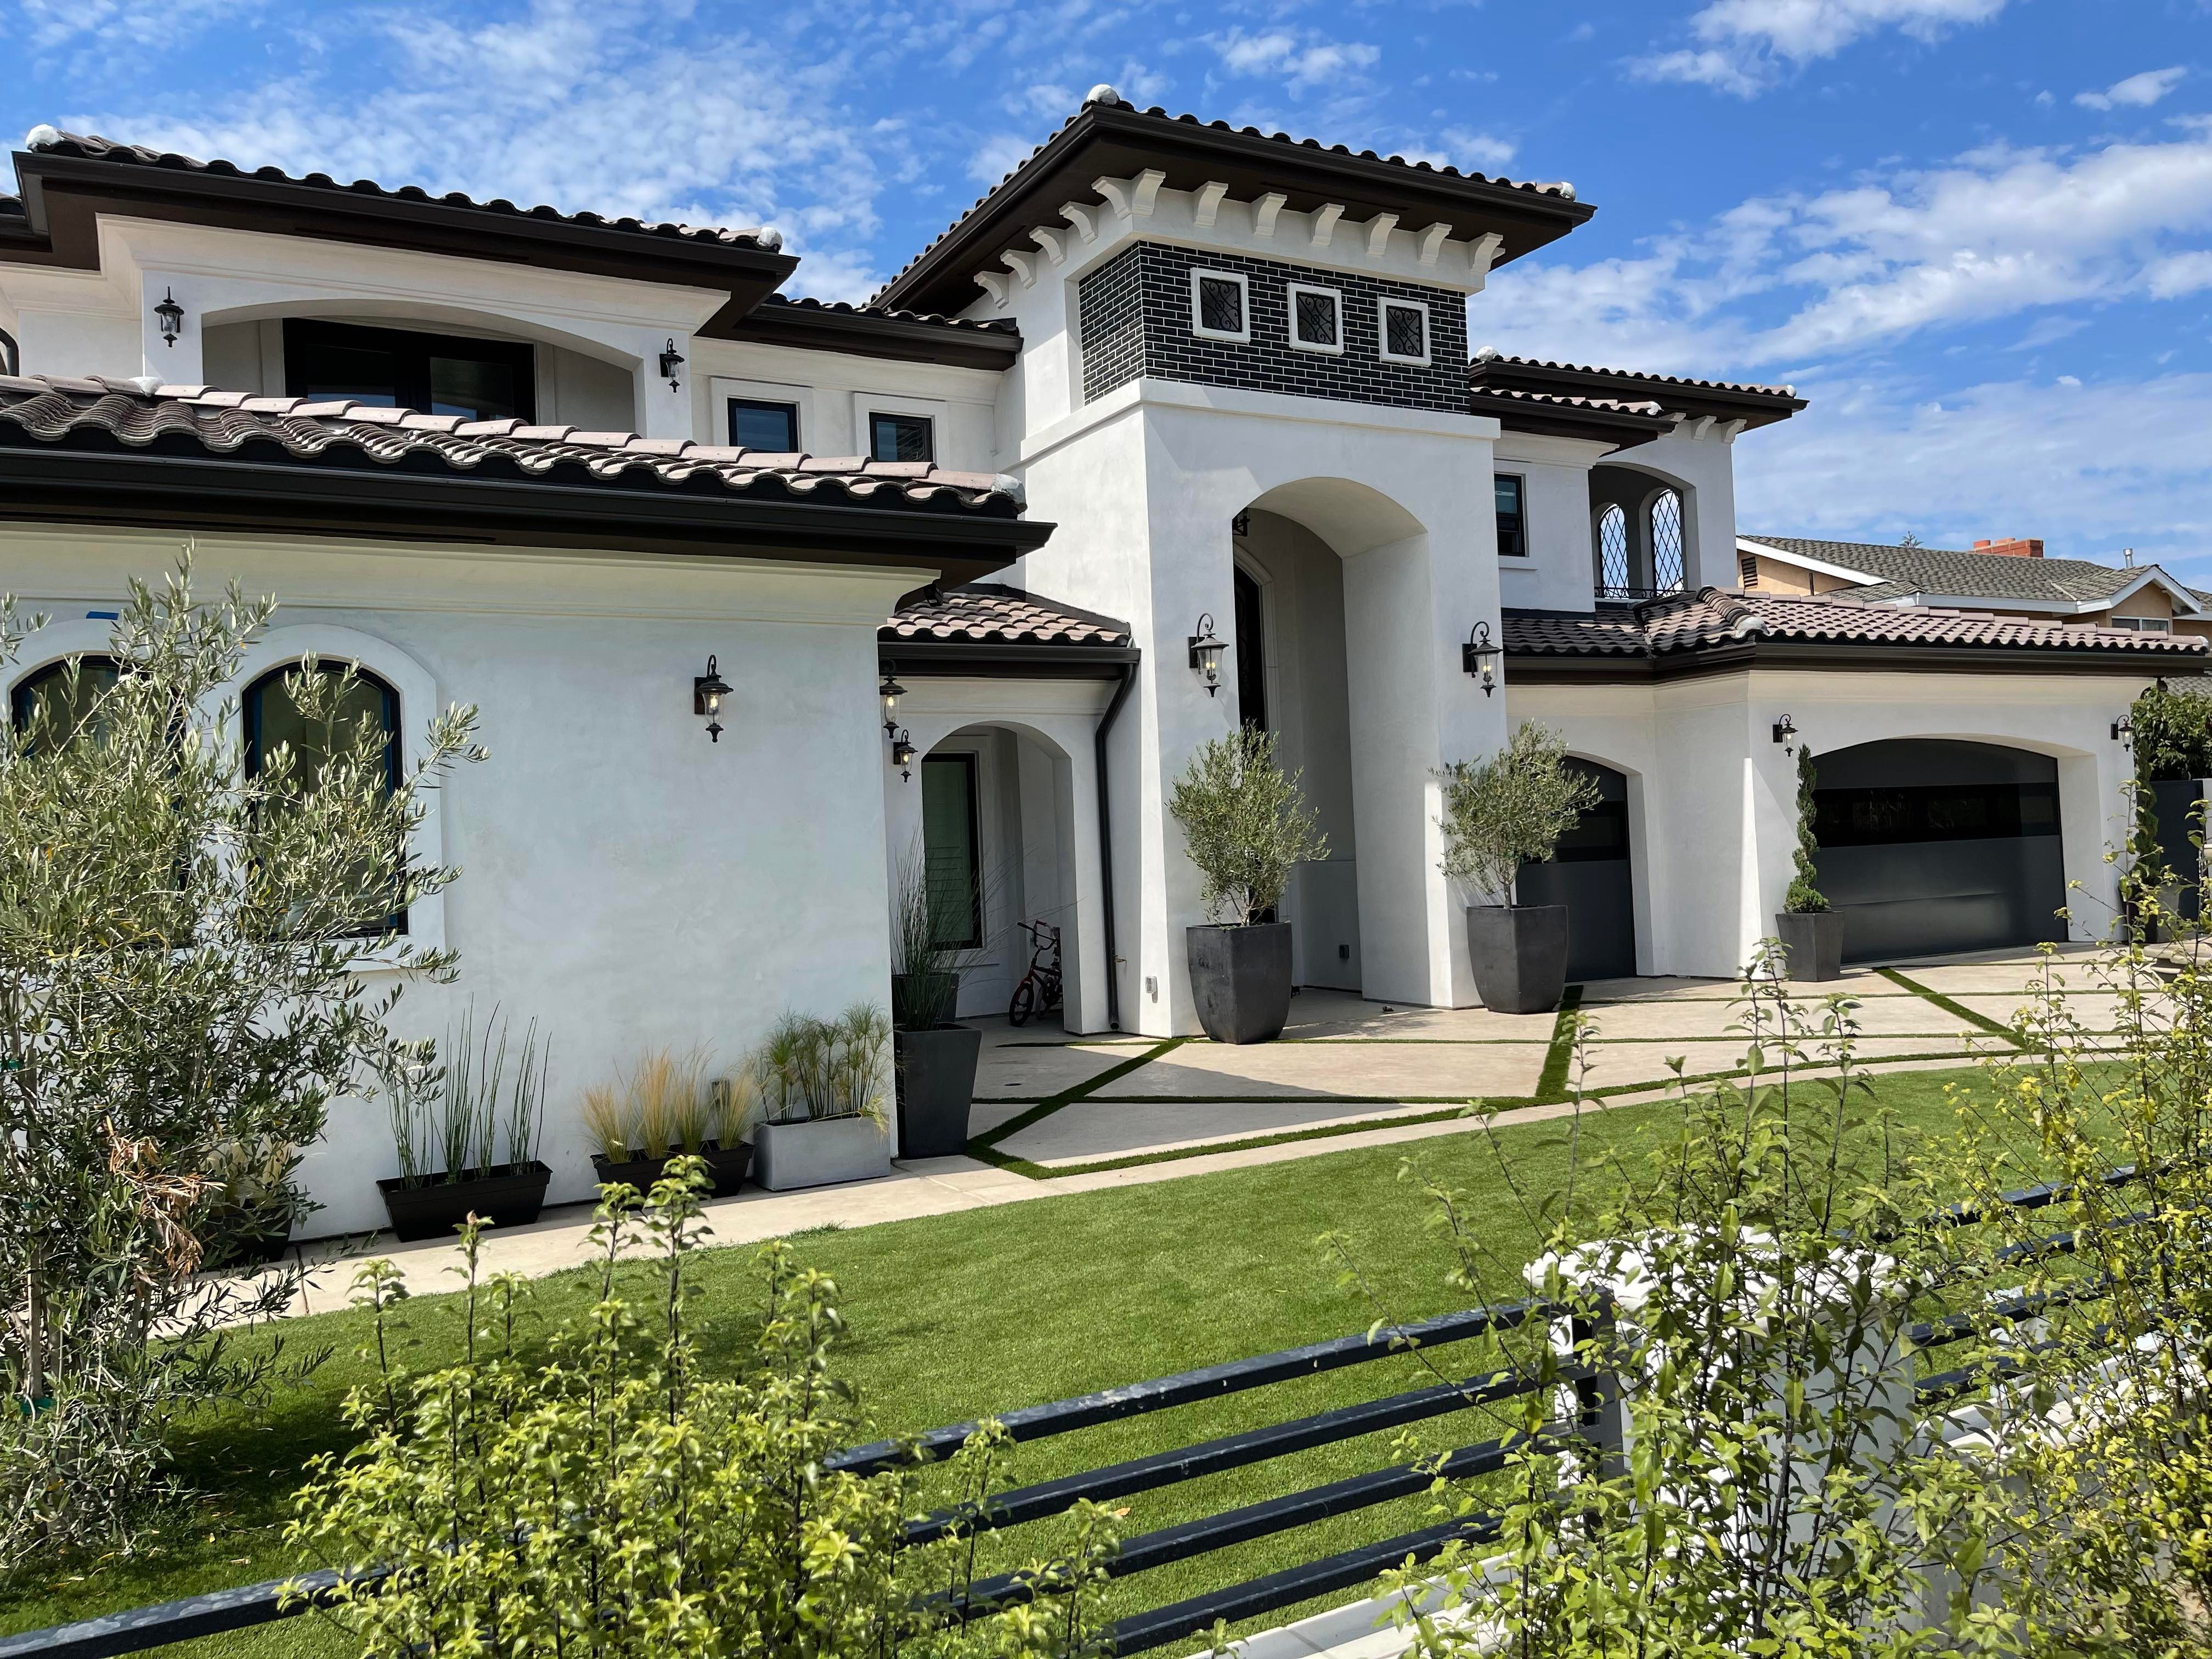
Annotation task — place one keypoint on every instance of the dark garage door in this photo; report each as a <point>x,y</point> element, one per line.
<point>1589,874</point>
<point>1930,846</point>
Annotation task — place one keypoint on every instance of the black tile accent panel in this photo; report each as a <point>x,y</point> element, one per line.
<point>1135,312</point>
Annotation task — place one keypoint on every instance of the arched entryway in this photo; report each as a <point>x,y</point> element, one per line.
<point>1930,846</point>
<point>1589,874</point>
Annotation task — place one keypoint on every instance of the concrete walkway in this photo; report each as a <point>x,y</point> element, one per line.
<point>1056,1114</point>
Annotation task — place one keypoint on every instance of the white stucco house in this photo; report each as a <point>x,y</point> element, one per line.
<point>1167,381</point>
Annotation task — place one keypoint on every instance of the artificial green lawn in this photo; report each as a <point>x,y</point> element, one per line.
<point>959,1315</point>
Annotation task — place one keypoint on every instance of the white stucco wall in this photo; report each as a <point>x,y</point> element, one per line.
<point>625,882</point>
<point>834,393</point>
<point>1555,475</point>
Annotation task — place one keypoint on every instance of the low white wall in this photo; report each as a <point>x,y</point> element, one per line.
<point>624,881</point>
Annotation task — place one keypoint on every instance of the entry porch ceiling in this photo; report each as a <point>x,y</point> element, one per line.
<point>1117,140</point>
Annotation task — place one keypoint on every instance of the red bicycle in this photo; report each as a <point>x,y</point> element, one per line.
<point>1039,987</point>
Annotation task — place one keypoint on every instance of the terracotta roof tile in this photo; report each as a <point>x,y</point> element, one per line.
<point>1710,617</point>
<point>1491,355</point>
<point>775,302</point>
<point>50,142</point>
<point>990,613</point>
<point>1481,394</point>
<point>62,410</point>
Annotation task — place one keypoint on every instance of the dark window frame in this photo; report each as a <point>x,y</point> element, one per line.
<point>414,349</point>
<point>1200,277</point>
<point>966,760</point>
<point>731,405</point>
<point>249,711</point>
<point>1383,306</point>
<point>22,694</point>
<point>1293,293</point>
<point>928,423</point>
<point>1519,535</point>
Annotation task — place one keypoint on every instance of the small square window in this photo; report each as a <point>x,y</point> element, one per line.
<point>1405,331</point>
<point>902,438</point>
<point>757,424</point>
<point>1220,305</point>
<point>1316,319</point>
<point>1512,518</point>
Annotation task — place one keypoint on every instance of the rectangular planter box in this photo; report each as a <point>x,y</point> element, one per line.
<point>821,1153</point>
<point>726,1168</point>
<point>508,1195</point>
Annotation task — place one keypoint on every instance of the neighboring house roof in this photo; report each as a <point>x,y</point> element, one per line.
<point>985,628</point>
<point>1914,574</point>
<point>1710,630</point>
<point>155,453</point>
<point>1721,400</point>
<point>1610,420</point>
<point>882,331</point>
<point>68,179</point>
<point>1112,138</point>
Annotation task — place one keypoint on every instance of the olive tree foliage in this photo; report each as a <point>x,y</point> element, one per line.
<point>178,1011</point>
<point>1245,823</point>
<point>1510,808</point>
<point>609,1493</point>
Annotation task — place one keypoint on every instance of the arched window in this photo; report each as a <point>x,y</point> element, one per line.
<point>54,702</point>
<point>1666,541</point>
<point>1613,576</point>
<point>273,717</point>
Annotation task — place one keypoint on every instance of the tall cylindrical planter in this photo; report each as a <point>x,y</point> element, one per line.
<point>1814,941</point>
<point>1520,956</point>
<point>936,1086</point>
<point>1240,978</point>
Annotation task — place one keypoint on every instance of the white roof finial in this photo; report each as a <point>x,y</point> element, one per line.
<point>42,137</point>
<point>1101,93</point>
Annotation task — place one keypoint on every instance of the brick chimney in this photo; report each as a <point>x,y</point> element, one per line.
<point>2013,547</point>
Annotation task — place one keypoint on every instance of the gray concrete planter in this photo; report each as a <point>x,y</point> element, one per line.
<point>1814,941</point>
<point>936,1085</point>
<point>1520,956</point>
<point>820,1152</point>
<point>1240,978</point>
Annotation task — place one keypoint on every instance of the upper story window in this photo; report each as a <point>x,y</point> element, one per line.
<point>1666,527</point>
<point>53,701</point>
<point>1402,329</point>
<point>1220,306</point>
<point>901,437</point>
<point>1512,517</point>
<point>395,367</point>
<point>756,423</point>
<point>2144,625</point>
<point>273,717</point>
<point>1316,319</point>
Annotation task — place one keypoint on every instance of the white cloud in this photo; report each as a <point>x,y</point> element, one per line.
<point>1298,62</point>
<point>1483,151</point>
<point>2136,92</point>
<point>1744,46</point>
<point>999,155</point>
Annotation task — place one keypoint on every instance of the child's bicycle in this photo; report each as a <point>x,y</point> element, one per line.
<point>1039,987</point>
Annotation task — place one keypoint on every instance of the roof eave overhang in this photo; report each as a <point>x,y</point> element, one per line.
<point>1753,408</point>
<point>65,196</point>
<point>1547,668</point>
<point>862,336</point>
<point>1806,562</point>
<point>1593,426</point>
<point>1106,141</point>
<point>48,482</point>
<point>990,659</point>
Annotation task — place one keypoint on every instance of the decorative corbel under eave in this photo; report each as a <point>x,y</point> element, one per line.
<point>1324,221</point>
<point>1378,234</point>
<point>1481,254</point>
<point>1207,201</point>
<point>1731,430</point>
<point>1053,241</point>
<point>1264,210</point>
<point>997,285</point>
<point>1697,426</point>
<point>1084,217</point>
<point>1133,198</point>
<point>1023,263</point>
<point>1432,243</point>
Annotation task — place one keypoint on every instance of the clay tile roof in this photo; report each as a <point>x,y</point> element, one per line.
<point>87,147</point>
<point>99,412</point>
<point>1709,618</point>
<point>781,302</point>
<point>1491,356</point>
<point>989,613</point>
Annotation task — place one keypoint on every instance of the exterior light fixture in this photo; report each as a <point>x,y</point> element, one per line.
<point>169,317</point>
<point>890,692</point>
<point>1479,657</point>
<point>902,755</point>
<point>2124,731</point>
<point>1241,523</point>
<point>1785,733</point>
<point>707,690</point>
<point>671,361</point>
<point>1206,654</point>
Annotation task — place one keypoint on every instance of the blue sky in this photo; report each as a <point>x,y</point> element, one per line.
<point>1978,234</point>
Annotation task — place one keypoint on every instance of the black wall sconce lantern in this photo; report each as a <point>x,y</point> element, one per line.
<point>2124,731</point>
<point>890,692</point>
<point>1241,523</point>
<point>671,361</point>
<point>169,317</point>
<point>1206,654</point>
<point>1785,733</point>
<point>902,755</point>
<point>707,690</point>
<point>1479,656</point>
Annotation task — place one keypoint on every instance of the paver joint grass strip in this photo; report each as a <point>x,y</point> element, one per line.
<point>984,1146</point>
<point>1552,1083</point>
<point>1956,1010</point>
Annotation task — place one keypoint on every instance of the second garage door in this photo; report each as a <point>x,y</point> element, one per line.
<point>1930,846</point>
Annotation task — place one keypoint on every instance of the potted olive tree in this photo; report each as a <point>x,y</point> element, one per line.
<point>1810,932</point>
<point>933,1055</point>
<point>1499,813</point>
<point>1244,824</point>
